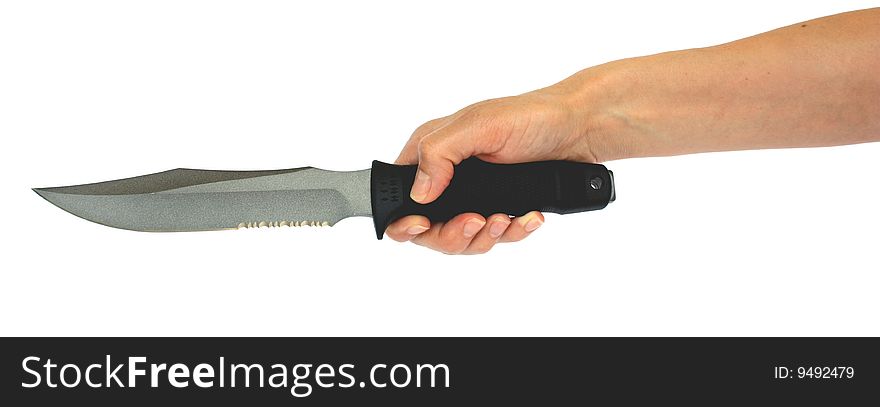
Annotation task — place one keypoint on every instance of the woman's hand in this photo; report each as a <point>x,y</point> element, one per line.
<point>540,125</point>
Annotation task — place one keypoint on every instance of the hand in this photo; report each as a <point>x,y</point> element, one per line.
<point>535,126</point>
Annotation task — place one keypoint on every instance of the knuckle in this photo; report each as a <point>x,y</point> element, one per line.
<point>429,145</point>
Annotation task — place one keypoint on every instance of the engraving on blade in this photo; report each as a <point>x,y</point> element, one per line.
<point>264,224</point>
<point>192,200</point>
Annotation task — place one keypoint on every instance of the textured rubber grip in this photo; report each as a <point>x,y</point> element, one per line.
<point>486,188</point>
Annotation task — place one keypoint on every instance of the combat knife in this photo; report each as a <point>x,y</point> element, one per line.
<point>185,200</point>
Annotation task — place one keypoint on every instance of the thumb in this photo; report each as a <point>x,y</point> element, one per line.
<point>438,153</point>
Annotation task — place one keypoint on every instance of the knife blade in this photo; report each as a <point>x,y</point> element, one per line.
<point>184,200</point>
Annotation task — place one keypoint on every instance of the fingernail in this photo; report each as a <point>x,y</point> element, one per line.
<point>533,224</point>
<point>415,229</point>
<point>421,186</point>
<point>498,227</point>
<point>473,226</point>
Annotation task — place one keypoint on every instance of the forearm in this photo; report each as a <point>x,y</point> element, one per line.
<point>811,84</point>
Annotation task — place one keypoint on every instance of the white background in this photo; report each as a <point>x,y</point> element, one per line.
<point>749,243</point>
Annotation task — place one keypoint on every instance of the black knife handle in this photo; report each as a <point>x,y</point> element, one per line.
<point>487,188</point>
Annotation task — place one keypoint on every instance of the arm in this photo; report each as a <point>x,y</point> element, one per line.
<point>811,84</point>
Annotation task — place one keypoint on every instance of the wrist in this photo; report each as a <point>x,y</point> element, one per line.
<point>594,99</point>
<point>641,107</point>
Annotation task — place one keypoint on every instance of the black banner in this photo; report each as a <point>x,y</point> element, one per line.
<point>439,371</point>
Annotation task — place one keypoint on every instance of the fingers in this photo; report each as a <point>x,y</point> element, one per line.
<point>439,152</point>
<point>437,146</point>
<point>522,227</point>
<point>467,133</point>
<point>467,233</point>
<point>407,227</point>
<point>495,227</point>
<point>454,236</point>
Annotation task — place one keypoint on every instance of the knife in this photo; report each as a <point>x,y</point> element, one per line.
<point>184,200</point>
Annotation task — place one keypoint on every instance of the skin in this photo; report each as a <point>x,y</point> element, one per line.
<point>811,84</point>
